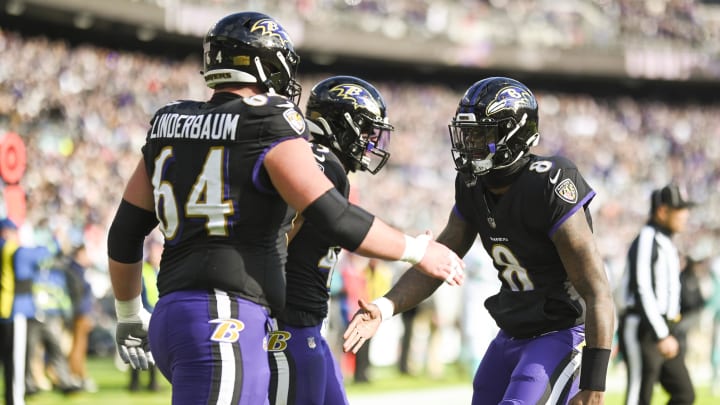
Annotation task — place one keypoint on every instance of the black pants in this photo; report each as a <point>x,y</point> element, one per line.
<point>408,318</point>
<point>362,364</point>
<point>6,355</point>
<point>13,339</point>
<point>646,366</point>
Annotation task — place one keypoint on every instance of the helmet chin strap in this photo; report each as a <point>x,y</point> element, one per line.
<point>262,78</point>
<point>321,131</point>
<point>504,150</point>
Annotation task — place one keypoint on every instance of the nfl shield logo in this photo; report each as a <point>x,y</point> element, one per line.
<point>296,121</point>
<point>491,222</point>
<point>567,191</point>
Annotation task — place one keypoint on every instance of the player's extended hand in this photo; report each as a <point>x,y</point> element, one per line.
<point>586,397</point>
<point>131,337</point>
<point>363,326</point>
<point>442,263</point>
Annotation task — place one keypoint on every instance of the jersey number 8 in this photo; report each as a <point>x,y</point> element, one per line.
<point>514,274</point>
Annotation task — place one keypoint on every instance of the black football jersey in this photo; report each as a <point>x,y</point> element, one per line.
<point>312,257</point>
<point>516,229</point>
<point>224,223</point>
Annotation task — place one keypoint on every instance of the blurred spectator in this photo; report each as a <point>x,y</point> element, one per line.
<point>539,24</point>
<point>377,278</point>
<point>435,336</point>
<point>477,326</point>
<point>408,320</point>
<point>417,340</point>
<point>714,308</point>
<point>83,302</point>
<point>692,298</point>
<point>337,318</point>
<point>12,325</point>
<point>26,262</point>
<point>47,361</point>
<point>350,266</point>
<point>20,265</point>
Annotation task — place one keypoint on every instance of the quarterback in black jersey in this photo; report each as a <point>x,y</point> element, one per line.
<point>223,179</point>
<point>349,132</point>
<point>531,213</point>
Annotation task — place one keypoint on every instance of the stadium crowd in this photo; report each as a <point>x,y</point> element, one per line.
<point>83,114</point>
<point>83,110</point>
<point>579,23</point>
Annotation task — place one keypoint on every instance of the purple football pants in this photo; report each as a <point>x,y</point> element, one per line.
<point>210,346</point>
<point>304,371</point>
<point>540,370</point>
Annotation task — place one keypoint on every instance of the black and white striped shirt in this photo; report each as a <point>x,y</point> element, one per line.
<point>651,281</point>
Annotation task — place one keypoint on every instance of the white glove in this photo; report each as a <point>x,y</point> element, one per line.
<point>131,335</point>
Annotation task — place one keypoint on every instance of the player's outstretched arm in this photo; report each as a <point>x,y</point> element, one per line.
<point>305,188</point>
<point>415,285</point>
<point>412,288</point>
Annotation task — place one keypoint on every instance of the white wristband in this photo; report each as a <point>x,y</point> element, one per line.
<point>128,309</point>
<point>387,308</point>
<point>415,248</point>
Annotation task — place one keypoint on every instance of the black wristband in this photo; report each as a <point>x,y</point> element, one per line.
<point>593,370</point>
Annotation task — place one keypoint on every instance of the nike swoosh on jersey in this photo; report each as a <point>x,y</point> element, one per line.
<point>555,178</point>
<point>285,105</point>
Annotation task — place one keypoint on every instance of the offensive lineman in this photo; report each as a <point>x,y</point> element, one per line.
<point>223,179</point>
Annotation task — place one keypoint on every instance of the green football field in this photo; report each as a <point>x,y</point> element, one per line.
<point>112,384</point>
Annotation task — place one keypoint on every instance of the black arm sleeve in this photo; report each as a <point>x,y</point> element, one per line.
<point>128,231</point>
<point>347,224</point>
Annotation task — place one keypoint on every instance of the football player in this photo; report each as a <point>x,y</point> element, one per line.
<point>223,178</point>
<point>554,307</point>
<point>350,132</point>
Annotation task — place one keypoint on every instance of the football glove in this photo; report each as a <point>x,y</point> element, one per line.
<point>131,335</point>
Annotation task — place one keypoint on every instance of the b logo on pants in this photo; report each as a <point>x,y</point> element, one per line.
<point>277,341</point>
<point>227,330</point>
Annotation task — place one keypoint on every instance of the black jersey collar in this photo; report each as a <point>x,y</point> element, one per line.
<point>506,176</point>
<point>222,97</point>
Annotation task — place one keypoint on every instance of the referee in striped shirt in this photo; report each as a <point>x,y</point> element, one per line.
<point>651,289</point>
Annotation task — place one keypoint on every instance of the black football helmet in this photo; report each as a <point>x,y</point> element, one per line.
<point>348,115</point>
<point>495,124</point>
<point>251,47</point>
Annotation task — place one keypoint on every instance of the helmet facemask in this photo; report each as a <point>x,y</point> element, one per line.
<point>364,142</point>
<point>481,146</point>
<point>496,124</point>
<point>352,115</point>
<point>474,143</point>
